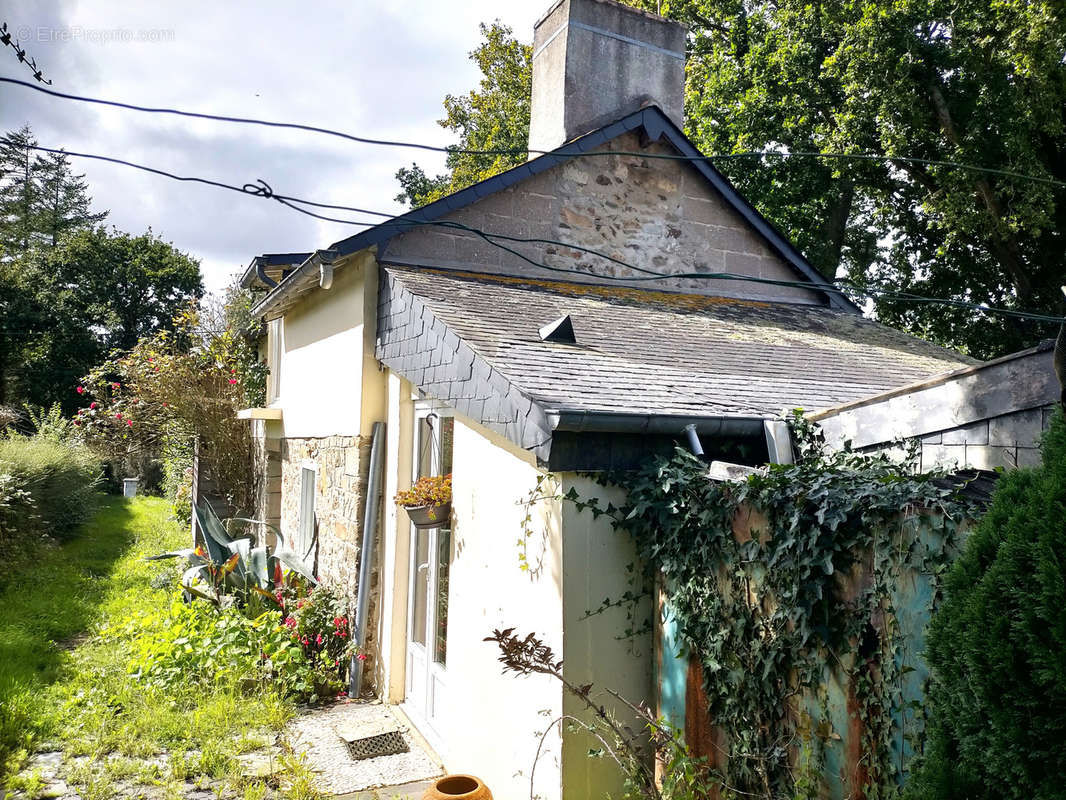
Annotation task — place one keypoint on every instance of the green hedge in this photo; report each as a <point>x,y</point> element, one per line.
<point>47,487</point>
<point>997,648</point>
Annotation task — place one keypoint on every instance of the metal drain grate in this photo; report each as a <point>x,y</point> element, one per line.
<point>383,744</point>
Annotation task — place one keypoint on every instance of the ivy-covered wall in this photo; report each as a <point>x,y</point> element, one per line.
<point>833,738</point>
<point>794,603</point>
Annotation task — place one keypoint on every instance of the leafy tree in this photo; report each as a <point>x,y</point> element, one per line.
<point>943,80</point>
<point>974,82</point>
<point>130,285</point>
<point>494,117</point>
<point>65,308</point>
<point>997,648</point>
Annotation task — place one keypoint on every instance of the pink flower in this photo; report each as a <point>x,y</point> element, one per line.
<point>129,422</point>
<point>92,404</point>
<point>232,380</point>
<point>318,639</point>
<point>118,415</point>
<point>342,693</point>
<point>77,422</point>
<point>116,385</point>
<point>361,656</point>
<point>290,622</point>
<point>81,390</point>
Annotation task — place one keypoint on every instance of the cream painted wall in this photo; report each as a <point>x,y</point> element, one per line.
<point>596,564</point>
<point>491,722</point>
<point>326,377</point>
<point>395,545</point>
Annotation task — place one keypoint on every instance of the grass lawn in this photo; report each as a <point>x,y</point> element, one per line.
<point>67,632</point>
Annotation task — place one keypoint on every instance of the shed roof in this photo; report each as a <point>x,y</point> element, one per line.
<point>647,352</point>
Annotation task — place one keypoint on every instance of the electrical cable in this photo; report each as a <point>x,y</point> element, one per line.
<point>262,189</point>
<point>933,162</point>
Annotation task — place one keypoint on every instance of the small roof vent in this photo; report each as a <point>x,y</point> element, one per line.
<point>562,330</point>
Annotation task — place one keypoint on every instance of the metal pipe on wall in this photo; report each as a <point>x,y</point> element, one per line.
<point>366,555</point>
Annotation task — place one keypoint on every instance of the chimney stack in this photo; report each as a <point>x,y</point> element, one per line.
<point>594,61</point>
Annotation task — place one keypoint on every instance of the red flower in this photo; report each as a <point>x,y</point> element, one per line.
<point>318,639</point>
<point>361,656</point>
<point>81,390</point>
<point>232,380</point>
<point>77,422</point>
<point>129,422</point>
<point>342,693</point>
<point>118,415</point>
<point>92,404</point>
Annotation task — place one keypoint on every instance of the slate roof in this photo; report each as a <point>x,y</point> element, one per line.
<point>472,339</point>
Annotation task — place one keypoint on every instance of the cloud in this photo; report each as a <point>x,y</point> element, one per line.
<point>375,69</point>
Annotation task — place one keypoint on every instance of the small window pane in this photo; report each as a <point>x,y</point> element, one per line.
<point>426,446</point>
<point>418,628</point>
<point>444,558</point>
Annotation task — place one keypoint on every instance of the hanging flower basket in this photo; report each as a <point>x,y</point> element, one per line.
<point>428,502</point>
<point>429,516</point>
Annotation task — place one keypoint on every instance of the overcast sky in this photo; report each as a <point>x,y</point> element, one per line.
<point>377,69</point>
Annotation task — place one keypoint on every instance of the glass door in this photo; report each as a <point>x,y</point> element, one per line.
<point>431,555</point>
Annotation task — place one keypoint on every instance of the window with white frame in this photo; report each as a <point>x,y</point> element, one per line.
<point>275,340</point>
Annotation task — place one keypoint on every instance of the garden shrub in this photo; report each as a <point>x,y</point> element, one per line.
<point>302,653</point>
<point>997,647</point>
<point>47,487</point>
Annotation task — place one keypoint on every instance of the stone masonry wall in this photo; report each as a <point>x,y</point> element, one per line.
<point>652,213</point>
<point>1008,441</point>
<point>341,464</point>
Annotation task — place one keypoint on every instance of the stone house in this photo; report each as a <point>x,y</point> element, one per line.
<point>556,320</point>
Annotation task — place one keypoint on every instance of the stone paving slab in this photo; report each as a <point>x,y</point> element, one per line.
<point>314,736</point>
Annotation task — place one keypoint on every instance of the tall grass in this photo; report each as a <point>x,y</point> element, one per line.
<point>82,699</point>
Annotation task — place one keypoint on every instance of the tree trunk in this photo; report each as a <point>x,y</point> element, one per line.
<point>1002,243</point>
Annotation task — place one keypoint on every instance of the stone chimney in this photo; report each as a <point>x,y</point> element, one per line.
<point>594,61</point>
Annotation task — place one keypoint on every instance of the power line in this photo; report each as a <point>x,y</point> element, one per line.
<point>263,190</point>
<point>880,157</point>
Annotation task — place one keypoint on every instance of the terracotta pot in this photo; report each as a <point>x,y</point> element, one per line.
<point>458,787</point>
<point>430,516</point>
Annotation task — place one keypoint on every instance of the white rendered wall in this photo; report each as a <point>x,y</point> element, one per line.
<point>491,722</point>
<point>597,564</point>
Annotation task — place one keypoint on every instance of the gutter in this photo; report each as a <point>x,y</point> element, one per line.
<point>321,261</point>
<point>585,421</point>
